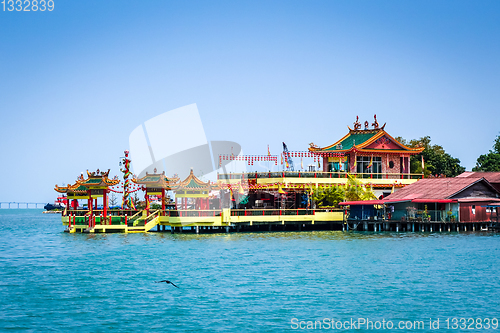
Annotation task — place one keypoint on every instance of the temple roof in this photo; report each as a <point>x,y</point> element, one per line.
<point>193,183</point>
<point>95,180</point>
<point>71,189</point>
<point>156,180</point>
<point>375,140</point>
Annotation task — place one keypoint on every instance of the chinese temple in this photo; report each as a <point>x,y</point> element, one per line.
<point>367,152</point>
<point>367,161</point>
<point>370,155</point>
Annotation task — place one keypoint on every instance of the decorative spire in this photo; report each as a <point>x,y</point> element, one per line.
<point>375,123</point>
<point>357,124</point>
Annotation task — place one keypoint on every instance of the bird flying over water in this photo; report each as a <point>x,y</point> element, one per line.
<point>167,282</point>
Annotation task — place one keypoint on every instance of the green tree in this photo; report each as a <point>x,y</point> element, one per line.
<point>137,203</point>
<point>330,196</point>
<point>112,199</point>
<point>353,190</point>
<point>436,160</point>
<point>491,160</point>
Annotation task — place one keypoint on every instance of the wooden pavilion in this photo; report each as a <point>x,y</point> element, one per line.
<point>156,184</point>
<point>95,186</point>
<point>195,189</point>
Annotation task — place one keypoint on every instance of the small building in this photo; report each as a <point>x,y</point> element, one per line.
<point>445,199</point>
<point>433,200</point>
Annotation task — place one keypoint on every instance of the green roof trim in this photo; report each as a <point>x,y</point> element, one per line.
<point>193,184</point>
<point>92,181</point>
<point>151,179</point>
<point>353,138</point>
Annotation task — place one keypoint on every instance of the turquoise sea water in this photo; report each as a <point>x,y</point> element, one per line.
<point>54,281</point>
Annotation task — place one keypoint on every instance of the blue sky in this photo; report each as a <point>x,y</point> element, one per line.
<point>76,81</point>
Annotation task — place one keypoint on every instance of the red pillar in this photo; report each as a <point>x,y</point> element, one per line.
<point>163,200</point>
<point>89,203</point>
<point>105,204</point>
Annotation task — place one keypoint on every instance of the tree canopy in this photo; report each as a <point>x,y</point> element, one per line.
<point>436,160</point>
<point>353,190</point>
<point>491,160</point>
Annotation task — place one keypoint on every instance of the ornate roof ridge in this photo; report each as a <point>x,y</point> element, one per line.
<point>376,132</point>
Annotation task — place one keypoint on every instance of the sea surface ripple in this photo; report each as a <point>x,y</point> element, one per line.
<point>54,281</point>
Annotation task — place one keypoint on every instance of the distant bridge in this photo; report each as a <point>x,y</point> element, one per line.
<point>22,204</point>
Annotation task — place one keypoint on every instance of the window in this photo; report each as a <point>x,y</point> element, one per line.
<point>473,209</point>
<point>364,161</point>
<point>391,164</point>
<point>337,166</point>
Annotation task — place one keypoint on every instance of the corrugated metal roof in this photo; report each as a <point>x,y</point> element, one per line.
<point>479,200</point>
<point>492,177</point>
<point>370,202</point>
<point>433,188</point>
<point>364,202</point>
